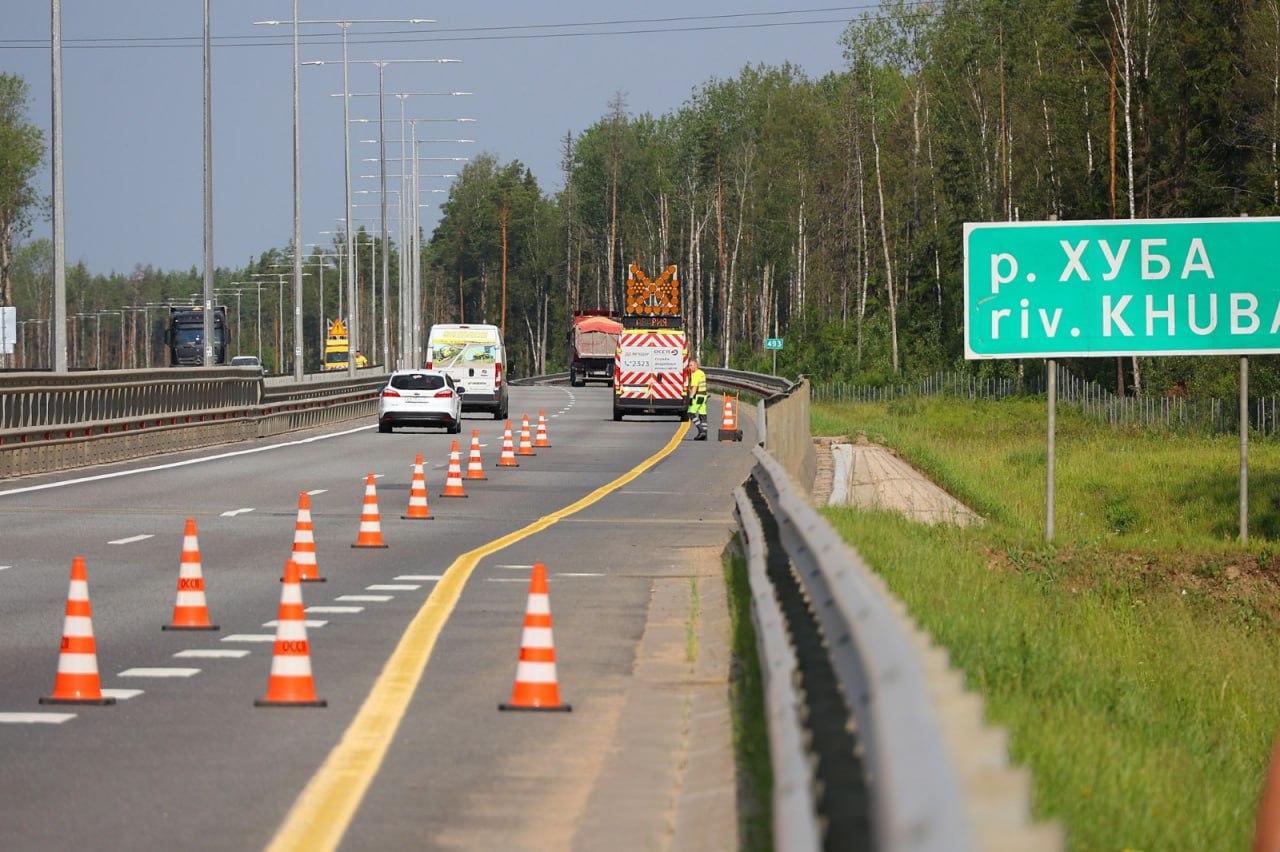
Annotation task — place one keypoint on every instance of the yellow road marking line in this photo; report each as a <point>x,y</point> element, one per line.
<point>321,814</point>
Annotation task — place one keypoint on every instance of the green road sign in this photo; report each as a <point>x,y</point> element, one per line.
<point>1122,287</point>
<point>773,343</point>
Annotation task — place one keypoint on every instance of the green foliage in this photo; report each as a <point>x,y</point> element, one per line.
<point>21,151</point>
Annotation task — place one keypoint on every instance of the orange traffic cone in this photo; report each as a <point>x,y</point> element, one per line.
<point>536,687</point>
<point>418,509</point>
<point>475,469</point>
<point>526,445</point>
<point>508,450</point>
<point>191,612</point>
<point>453,483</point>
<point>370,522</point>
<point>541,439</point>
<point>77,681</point>
<point>291,684</point>
<point>304,543</point>
<point>729,430</point>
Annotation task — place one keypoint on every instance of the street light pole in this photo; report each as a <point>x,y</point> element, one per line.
<point>208,195</point>
<point>59,216</point>
<point>297,213</point>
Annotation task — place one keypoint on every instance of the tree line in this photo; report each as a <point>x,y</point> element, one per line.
<point>829,211</point>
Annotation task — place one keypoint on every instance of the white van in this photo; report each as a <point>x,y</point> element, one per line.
<point>473,355</point>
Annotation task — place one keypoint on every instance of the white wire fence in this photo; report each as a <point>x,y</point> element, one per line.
<point>1170,413</point>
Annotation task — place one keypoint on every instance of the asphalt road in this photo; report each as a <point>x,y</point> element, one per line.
<point>411,750</point>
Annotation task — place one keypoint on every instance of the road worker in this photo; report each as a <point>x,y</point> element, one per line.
<point>698,399</point>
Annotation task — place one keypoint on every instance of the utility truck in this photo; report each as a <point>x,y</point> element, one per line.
<point>651,365</point>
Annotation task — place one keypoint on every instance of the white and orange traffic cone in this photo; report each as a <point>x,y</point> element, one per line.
<point>304,543</point>
<point>541,439</point>
<point>418,509</point>
<point>536,687</point>
<point>191,612</point>
<point>77,681</point>
<point>370,521</point>
<point>526,443</point>
<point>508,458</point>
<point>291,684</point>
<point>453,482</point>
<point>729,430</point>
<point>475,468</point>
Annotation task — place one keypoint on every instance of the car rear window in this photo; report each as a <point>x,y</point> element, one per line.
<point>417,381</point>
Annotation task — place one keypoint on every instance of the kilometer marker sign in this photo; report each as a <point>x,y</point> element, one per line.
<point>1122,287</point>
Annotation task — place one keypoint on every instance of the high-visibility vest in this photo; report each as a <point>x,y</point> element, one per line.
<point>698,392</point>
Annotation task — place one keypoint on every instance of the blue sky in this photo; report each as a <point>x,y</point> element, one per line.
<point>132,101</point>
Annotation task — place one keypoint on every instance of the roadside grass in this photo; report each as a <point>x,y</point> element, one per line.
<point>1136,659</point>
<point>746,700</point>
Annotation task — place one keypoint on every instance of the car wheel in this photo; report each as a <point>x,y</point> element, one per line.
<point>456,427</point>
<point>385,428</point>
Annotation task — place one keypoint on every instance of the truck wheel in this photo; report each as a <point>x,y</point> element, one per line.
<point>576,382</point>
<point>684,417</point>
<point>617,414</point>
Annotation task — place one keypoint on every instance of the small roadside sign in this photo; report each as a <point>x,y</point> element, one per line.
<point>773,343</point>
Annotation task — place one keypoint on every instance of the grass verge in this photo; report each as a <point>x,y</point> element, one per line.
<point>746,703</point>
<point>1136,660</point>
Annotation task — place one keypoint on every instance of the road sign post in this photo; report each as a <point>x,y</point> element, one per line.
<point>1124,287</point>
<point>773,344</point>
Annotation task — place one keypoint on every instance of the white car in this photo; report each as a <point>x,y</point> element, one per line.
<point>420,398</point>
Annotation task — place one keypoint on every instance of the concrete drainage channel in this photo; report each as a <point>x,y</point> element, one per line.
<point>924,771</point>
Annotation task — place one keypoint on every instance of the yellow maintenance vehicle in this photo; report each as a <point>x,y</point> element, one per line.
<point>336,347</point>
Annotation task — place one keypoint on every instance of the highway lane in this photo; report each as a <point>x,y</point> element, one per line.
<point>192,761</point>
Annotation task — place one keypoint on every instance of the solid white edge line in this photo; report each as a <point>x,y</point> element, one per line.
<point>185,463</point>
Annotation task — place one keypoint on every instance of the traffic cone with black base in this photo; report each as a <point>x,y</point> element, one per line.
<point>370,521</point>
<point>191,612</point>
<point>536,687</point>
<point>475,467</point>
<point>77,681</point>
<point>418,509</point>
<point>729,430</point>
<point>291,684</point>
<point>541,439</point>
<point>453,483</point>
<point>304,543</point>
<point>526,443</point>
<point>508,458</point>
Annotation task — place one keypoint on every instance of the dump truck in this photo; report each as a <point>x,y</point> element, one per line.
<point>184,335</point>
<point>651,365</point>
<point>593,346</point>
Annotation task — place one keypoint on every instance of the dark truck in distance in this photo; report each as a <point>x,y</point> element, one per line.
<point>184,336</point>
<point>593,344</point>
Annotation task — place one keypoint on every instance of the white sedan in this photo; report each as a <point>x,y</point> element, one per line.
<point>420,398</point>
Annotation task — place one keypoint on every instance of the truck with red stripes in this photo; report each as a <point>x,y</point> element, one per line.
<point>651,367</point>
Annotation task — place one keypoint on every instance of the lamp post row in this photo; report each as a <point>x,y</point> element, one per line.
<point>59,317</point>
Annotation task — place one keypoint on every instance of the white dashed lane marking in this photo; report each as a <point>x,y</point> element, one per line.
<point>35,718</point>
<point>308,622</point>
<point>327,610</point>
<point>388,587</point>
<point>121,694</point>
<point>250,637</point>
<point>365,598</point>
<point>131,539</point>
<point>233,512</point>
<point>213,653</point>
<point>426,578</point>
<point>158,671</point>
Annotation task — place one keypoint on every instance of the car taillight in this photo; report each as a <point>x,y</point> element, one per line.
<point>390,392</point>
<point>428,367</point>
<point>497,374</point>
<point>444,394</point>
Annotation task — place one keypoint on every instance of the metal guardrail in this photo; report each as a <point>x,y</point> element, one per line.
<point>54,421</point>
<point>937,778</point>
